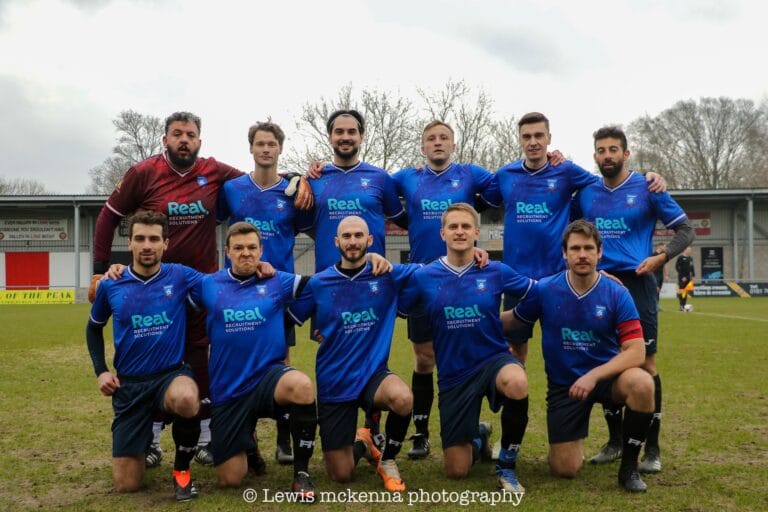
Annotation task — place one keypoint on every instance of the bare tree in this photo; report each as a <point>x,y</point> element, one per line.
<point>394,124</point>
<point>710,144</point>
<point>389,129</point>
<point>480,138</point>
<point>139,136</point>
<point>21,187</point>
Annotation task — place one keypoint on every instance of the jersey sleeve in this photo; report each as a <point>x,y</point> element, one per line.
<point>492,194</point>
<point>486,185</point>
<point>391,201</point>
<point>227,172</point>
<point>304,305</point>
<point>289,283</point>
<point>625,306</point>
<point>101,310</point>
<point>667,210</point>
<point>128,193</point>
<point>401,273</point>
<point>580,177</point>
<point>409,296</point>
<point>529,309</point>
<point>576,211</point>
<point>223,212</point>
<point>513,283</point>
<point>399,179</point>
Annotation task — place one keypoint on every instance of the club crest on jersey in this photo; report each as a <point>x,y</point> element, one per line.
<point>631,200</point>
<point>481,286</point>
<point>280,204</point>
<point>551,184</point>
<point>600,311</point>
<point>374,286</point>
<point>261,289</point>
<point>168,289</point>
<point>202,181</point>
<point>455,183</point>
<point>365,182</point>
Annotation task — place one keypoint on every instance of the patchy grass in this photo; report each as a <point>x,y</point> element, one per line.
<point>56,426</point>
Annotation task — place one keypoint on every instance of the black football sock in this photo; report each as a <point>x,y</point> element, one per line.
<point>423,388</point>
<point>303,423</point>
<point>613,419</point>
<point>653,432</point>
<point>635,428</point>
<point>514,421</point>
<point>397,427</point>
<point>185,432</point>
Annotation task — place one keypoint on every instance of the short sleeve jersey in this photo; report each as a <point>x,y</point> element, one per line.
<point>366,191</point>
<point>579,331</point>
<point>356,316</point>
<point>463,308</point>
<point>626,218</point>
<point>269,209</point>
<point>148,318</point>
<point>189,201</point>
<point>246,328</point>
<point>536,212</point>
<point>428,193</point>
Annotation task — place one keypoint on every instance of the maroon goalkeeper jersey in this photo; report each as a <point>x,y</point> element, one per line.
<point>189,201</point>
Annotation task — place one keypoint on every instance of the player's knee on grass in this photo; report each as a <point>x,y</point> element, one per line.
<point>566,459</point>
<point>457,461</point>
<point>127,473</point>
<point>232,471</point>
<point>339,464</point>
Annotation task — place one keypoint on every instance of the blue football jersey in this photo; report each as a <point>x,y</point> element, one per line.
<point>366,191</point>
<point>626,218</point>
<point>246,328</point>
<point>356,316</point>
<point>536,212</point>
<point>579,332</point>
<point>428,193</point>
<point>463,308</point>
<point>269,209</point>
<point>149,318</point>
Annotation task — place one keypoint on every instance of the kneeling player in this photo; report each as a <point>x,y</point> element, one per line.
<point>356,312</point>
<point>249,379</point>
<point>593,348</point>
<point>473,360</point>
<point>148,308</point>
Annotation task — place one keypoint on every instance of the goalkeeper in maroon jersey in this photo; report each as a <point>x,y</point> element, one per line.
<point>185,188</point>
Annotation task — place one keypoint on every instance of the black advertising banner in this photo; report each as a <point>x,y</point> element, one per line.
<point>711,263</point>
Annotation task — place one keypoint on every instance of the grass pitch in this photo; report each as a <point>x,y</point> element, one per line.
<point>55,427</point>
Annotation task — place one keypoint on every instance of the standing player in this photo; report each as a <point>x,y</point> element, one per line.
<point>593,348</point>
<point>473,361</point>
<point>537,197</point>
<point>249,378</point>
<point>260,198</point>
<point>349,186</point>
<point>148,308</point>
<point>185,188</point>
<point>685,274</point>
<point>427,192</point>
<point>625,213</point>
<point>355,313</point>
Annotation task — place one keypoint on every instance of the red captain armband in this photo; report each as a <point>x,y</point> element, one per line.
<point>630,330</point>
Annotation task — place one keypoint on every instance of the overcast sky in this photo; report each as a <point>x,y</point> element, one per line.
<point>68,67</point>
